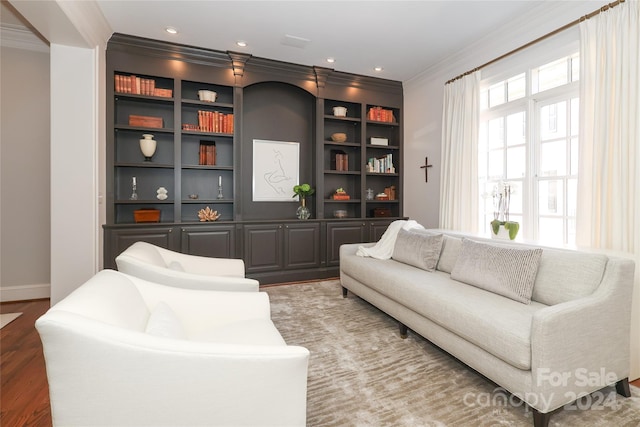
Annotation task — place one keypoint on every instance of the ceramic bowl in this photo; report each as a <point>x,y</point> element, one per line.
<point>207,95</point>
<point>340,111</point>
<point>340,213</point>
<point>339,137</point>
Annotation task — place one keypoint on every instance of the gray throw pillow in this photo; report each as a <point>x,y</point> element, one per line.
<point>418,248</point>
<point>451,247</point>
<point>509,272</point>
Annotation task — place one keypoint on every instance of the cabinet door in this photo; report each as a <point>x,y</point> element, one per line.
<point>117,240</point>
<point>217,241</point>
<point>377,229</point>
<point>340,233</point>
<point>262,247</point>
<point>301,245</point>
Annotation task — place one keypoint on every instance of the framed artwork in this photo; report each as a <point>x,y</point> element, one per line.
<point>276,167</point>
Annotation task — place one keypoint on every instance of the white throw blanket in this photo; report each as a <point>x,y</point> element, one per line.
<point>384,248</point>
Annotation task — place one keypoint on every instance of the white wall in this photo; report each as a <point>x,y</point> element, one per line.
<point>24,167</point>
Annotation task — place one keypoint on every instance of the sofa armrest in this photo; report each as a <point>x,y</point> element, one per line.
<point>101,374</point>
<point>587,337</point>
<point>185,279</point>
<point>205,265</point>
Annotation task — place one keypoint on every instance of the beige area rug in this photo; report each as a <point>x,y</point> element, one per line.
<point>7,318</point>
<point>362,374</point>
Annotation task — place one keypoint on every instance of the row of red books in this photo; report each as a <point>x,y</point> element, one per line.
<point>140,86</point>
<point>215,121</point>
<point>207,154</point>
<point>380,114</point>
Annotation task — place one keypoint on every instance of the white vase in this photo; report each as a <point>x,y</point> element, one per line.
<point>148,146</point>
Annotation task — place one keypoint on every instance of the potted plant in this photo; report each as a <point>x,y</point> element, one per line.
<point>501,227</point>
<point>302,191</point>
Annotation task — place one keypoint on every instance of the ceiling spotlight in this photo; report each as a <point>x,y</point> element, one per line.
<point>378,68</point>
<point>331,60</point>
<point>241,43</point>
<point>171,30</point>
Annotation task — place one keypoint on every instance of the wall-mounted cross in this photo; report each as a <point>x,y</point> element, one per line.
<point>426,167</point>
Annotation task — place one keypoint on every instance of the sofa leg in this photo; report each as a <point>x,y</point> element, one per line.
<point>540,419</point>
<point>403,330</point>
<point>622,387</point>
<point>345,292</point>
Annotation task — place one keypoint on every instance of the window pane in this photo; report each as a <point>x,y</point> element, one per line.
<point>550,197</point>
<point>516,128</point>
<point>575,116</point>
<point>572,197</point>
<point>516,87</point>
<point>553,121</point>
<point>553,158</point>
<point>496,94</point>
<point>516,162</point>
<point>515,204</point>
<point>575,68</point>
<point>484,99</point>
<point>574,156</point>
<point>552,75</point>
<point>550,230</point>
<point>496,164</point>
<point>496,133</point>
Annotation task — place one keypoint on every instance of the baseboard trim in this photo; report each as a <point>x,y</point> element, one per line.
<point>25,292</point>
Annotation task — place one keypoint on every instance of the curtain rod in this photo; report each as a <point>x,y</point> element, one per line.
<point>539,39</point>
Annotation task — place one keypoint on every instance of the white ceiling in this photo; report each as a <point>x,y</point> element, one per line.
<point>404,37</point>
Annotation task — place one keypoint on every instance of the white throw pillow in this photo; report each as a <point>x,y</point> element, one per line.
<point>163,322</point>
<point>509,272</point>
<point>418,248</point>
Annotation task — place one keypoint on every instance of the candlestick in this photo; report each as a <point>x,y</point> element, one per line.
<point>134,194</point>
<point>220,181</point>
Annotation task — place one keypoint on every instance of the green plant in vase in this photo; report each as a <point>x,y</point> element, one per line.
<point>501,201</point>
<point>302,191</point>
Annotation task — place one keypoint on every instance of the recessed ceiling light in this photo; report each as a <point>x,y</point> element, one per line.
<point>171,30</point>
<point>378,68</point>
<point>331,60</point>
<point>241,43</point>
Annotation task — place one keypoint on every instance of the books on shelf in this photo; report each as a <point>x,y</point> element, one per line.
<point>207,153</point>
<point>145,121</point>
<point>339,161</point>
<point>140,86</point>
<point>382,164</point>
<point>211,121</point>
<point>380,114</point>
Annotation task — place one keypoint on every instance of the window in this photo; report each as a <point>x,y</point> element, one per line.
<point>528,138</point>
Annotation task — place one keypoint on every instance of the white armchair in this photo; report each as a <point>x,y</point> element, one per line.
<point>123,351</point>
<point>161,265</point>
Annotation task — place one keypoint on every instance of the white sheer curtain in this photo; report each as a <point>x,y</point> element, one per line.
<point>609,170</point>
<point>608,215</point>
<point>459,159</point>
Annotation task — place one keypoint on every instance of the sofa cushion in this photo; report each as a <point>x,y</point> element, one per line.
<point>498,325</point>
<point>243,332</point>
<point>509,272</point>
<point>418,248</point>
<point>451,247</point>
<point>567,275</point>
<point>164,322</point>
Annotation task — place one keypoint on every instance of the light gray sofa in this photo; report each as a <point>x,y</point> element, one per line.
<point>571,339</point>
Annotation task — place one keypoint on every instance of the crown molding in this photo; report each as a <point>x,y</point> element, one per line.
<point>20,37</point>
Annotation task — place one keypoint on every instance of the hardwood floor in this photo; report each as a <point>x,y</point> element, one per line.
<point>24,396</point>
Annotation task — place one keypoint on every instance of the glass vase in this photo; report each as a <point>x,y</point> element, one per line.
<point>303,212</point>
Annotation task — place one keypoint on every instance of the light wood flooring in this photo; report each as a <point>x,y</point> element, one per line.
<point>24,392</point>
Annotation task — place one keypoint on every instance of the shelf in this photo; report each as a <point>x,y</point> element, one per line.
<point>208,201</point>
<point>143,165</point>
<point>144,202</point>
<point>373,122</point>
<point>332,172</point>
<point>143,98</point>
<point>383,147</point>
<point>199,133</point>
<point>343,119</point>
<point>214,105</point>
<point>383,201</point>
<point>142,129</point>
<point>342,201</point>
<point>342,144</point>
<point>208,167</point>
<point>382,174</point>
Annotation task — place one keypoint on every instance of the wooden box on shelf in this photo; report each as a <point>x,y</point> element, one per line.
<point>146,215</point>
<point>145,121</point>
<point>381,212</point>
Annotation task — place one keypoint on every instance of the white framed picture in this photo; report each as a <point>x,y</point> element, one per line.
<point>276,167</point>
